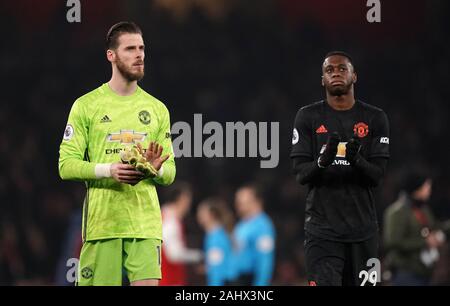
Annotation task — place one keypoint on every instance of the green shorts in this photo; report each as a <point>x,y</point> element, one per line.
<point>102,261</point>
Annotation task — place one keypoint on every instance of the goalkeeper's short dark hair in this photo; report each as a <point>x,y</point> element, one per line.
<point>112,38</point>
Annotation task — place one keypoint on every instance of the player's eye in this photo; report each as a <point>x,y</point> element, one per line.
<point>343,69</point>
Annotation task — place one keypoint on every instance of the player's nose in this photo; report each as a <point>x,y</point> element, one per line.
<point>140,54</point>
<point>336,74</point>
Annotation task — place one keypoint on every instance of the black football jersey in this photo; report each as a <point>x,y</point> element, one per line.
<point>340,204</point>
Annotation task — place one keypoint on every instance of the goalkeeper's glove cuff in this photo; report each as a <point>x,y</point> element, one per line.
<point>102,170</point>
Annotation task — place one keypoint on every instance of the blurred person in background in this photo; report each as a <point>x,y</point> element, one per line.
<point>340,149</point>
<point>12,263</point>
<point>72,245</point>
<point>122,224</point>
<point>254,237</point>
<point>175,253</point>
<point>412,236</point>
<point>216,219</point>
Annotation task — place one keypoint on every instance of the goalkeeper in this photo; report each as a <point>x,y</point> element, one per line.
<point>103,146</point>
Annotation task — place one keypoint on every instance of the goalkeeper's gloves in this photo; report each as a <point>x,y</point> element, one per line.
<point>132,156</point>
<point>129,155</point>
<point>352,149</point>
<point>329,154</point>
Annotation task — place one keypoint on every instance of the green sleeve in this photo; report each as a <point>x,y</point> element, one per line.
<point>164,139</point>
<point>395,234</point>
<point>72,162</point>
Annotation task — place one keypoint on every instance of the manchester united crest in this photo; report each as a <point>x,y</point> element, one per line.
<point>361,129</point>
<point>144,117</point>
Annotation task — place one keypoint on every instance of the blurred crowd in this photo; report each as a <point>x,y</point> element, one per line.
<point>230,61</point>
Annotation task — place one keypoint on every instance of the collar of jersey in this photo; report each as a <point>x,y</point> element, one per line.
<point>347,111</point>
<point>117,97</point>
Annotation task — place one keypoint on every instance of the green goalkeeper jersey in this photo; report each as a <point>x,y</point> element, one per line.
<point>101,123</point>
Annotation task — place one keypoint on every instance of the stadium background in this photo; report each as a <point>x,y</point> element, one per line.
<point>253,60</point>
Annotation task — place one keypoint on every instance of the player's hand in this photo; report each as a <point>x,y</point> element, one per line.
<point>329,154</point>
<point>153,155</point>
<point>352,149</point>
<point>126,174</point>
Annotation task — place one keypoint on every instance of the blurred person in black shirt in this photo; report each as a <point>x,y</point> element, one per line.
<point>340,150</point>
<point>412,236</point>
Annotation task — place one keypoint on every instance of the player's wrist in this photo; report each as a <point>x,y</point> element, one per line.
<point>326,159</point>
<point>358,160</point>
<point>354,158</point>
<point>160,171</point>
<point>103,170</point>
<point>157,174</point>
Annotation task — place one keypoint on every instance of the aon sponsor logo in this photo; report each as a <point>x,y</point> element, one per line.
<point>384,140</point>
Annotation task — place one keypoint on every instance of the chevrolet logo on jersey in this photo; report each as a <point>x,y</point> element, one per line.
<point>126,137</point>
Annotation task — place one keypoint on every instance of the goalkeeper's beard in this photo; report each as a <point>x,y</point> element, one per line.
<point>127,73</point>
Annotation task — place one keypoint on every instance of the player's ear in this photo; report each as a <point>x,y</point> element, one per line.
<point>110,55</point>
<point>354,77</point>
<point>323,84</point>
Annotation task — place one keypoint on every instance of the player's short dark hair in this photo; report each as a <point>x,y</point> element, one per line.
<point>341,53</point>
<point>112,38</point>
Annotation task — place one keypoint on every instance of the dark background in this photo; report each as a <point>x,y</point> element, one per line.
<point>252,60</point>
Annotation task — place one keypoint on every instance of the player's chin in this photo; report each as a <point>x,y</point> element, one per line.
<point>136,74</point>
<point>139,76</point>
<point>337,90</point>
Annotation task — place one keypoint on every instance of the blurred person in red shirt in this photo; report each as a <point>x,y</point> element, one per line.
<point>175,254</point>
